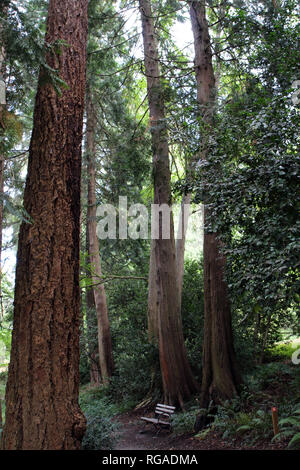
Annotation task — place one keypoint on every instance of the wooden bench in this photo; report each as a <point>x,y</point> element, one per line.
<point>162,416</point>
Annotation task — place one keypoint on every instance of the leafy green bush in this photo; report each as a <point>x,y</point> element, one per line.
<point>99,412</point>
<point>270,377</point>
<point>99,434</point>
<point>252,426</point>
<point>291,428</point>
<point>183,422</point>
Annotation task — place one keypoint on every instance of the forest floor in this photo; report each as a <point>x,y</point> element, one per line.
<point>135,435</point>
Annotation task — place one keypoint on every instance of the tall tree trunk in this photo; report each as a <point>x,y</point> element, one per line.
<point>3,13</point>
<point>177,378</point>
<point>153,305</point>
<point>91,320</point>
<point>104,336</point>
<point>220,378</point>
<point>43,380</point>
<point>2,107</point>
<point>180,241</point>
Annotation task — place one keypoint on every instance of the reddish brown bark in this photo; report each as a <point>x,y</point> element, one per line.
<point>104,336</point>
<point>177,378</point>
<point>220,378</point>
<point>42,390</point>
<point>91,320</point>
<point>3,13</point>
<point>181,239</point>
<point>153,305</point>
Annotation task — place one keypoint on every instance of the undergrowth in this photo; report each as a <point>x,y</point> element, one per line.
<point>101,432</point>
<point>3,379</point>
<point>247,419</point>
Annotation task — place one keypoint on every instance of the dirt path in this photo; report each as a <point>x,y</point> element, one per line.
<point>135,435</point>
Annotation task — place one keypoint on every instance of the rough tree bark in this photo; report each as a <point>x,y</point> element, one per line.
<point>91,320</point>
<point>180,241</point>
<point>152,298</point>
<point>153,304</point>
<point>177,378</point>
<point>3,12</point>
<point>43,381</point>
<point>220,378</point>
<point>104,336</point>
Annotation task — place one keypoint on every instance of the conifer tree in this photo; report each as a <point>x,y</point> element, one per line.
<point>42,410</point>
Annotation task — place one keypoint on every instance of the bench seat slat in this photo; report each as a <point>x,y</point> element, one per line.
<point>158,408</point>
<point>165,406</point>
<point>155,421</point>
<point>163,412</point>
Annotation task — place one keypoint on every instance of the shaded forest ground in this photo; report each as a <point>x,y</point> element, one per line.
<point>245,423</point>
<point>134,435</point>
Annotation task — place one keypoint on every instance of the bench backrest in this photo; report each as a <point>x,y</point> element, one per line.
<point>164,410</point>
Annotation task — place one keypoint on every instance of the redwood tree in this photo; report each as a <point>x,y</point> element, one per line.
<point>153,304</point>
<point>3,14</point>
<point>220,379</point>
<point>42,410</point>
<point>91,322</point>
<point>104,336</point>
<point>178,381</point>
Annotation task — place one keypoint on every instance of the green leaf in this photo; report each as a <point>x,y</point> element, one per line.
<point>243,428</point>
<point>295,442</point>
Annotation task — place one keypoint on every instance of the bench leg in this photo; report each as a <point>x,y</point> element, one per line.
<point>144,428</point>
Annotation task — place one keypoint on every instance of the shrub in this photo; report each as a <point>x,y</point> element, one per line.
<point>271,376</point>
<point>184,421</point>
<point>99,434</point>
<point>252,426</point>
<point>99,411</point>
<point>291,428</point>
